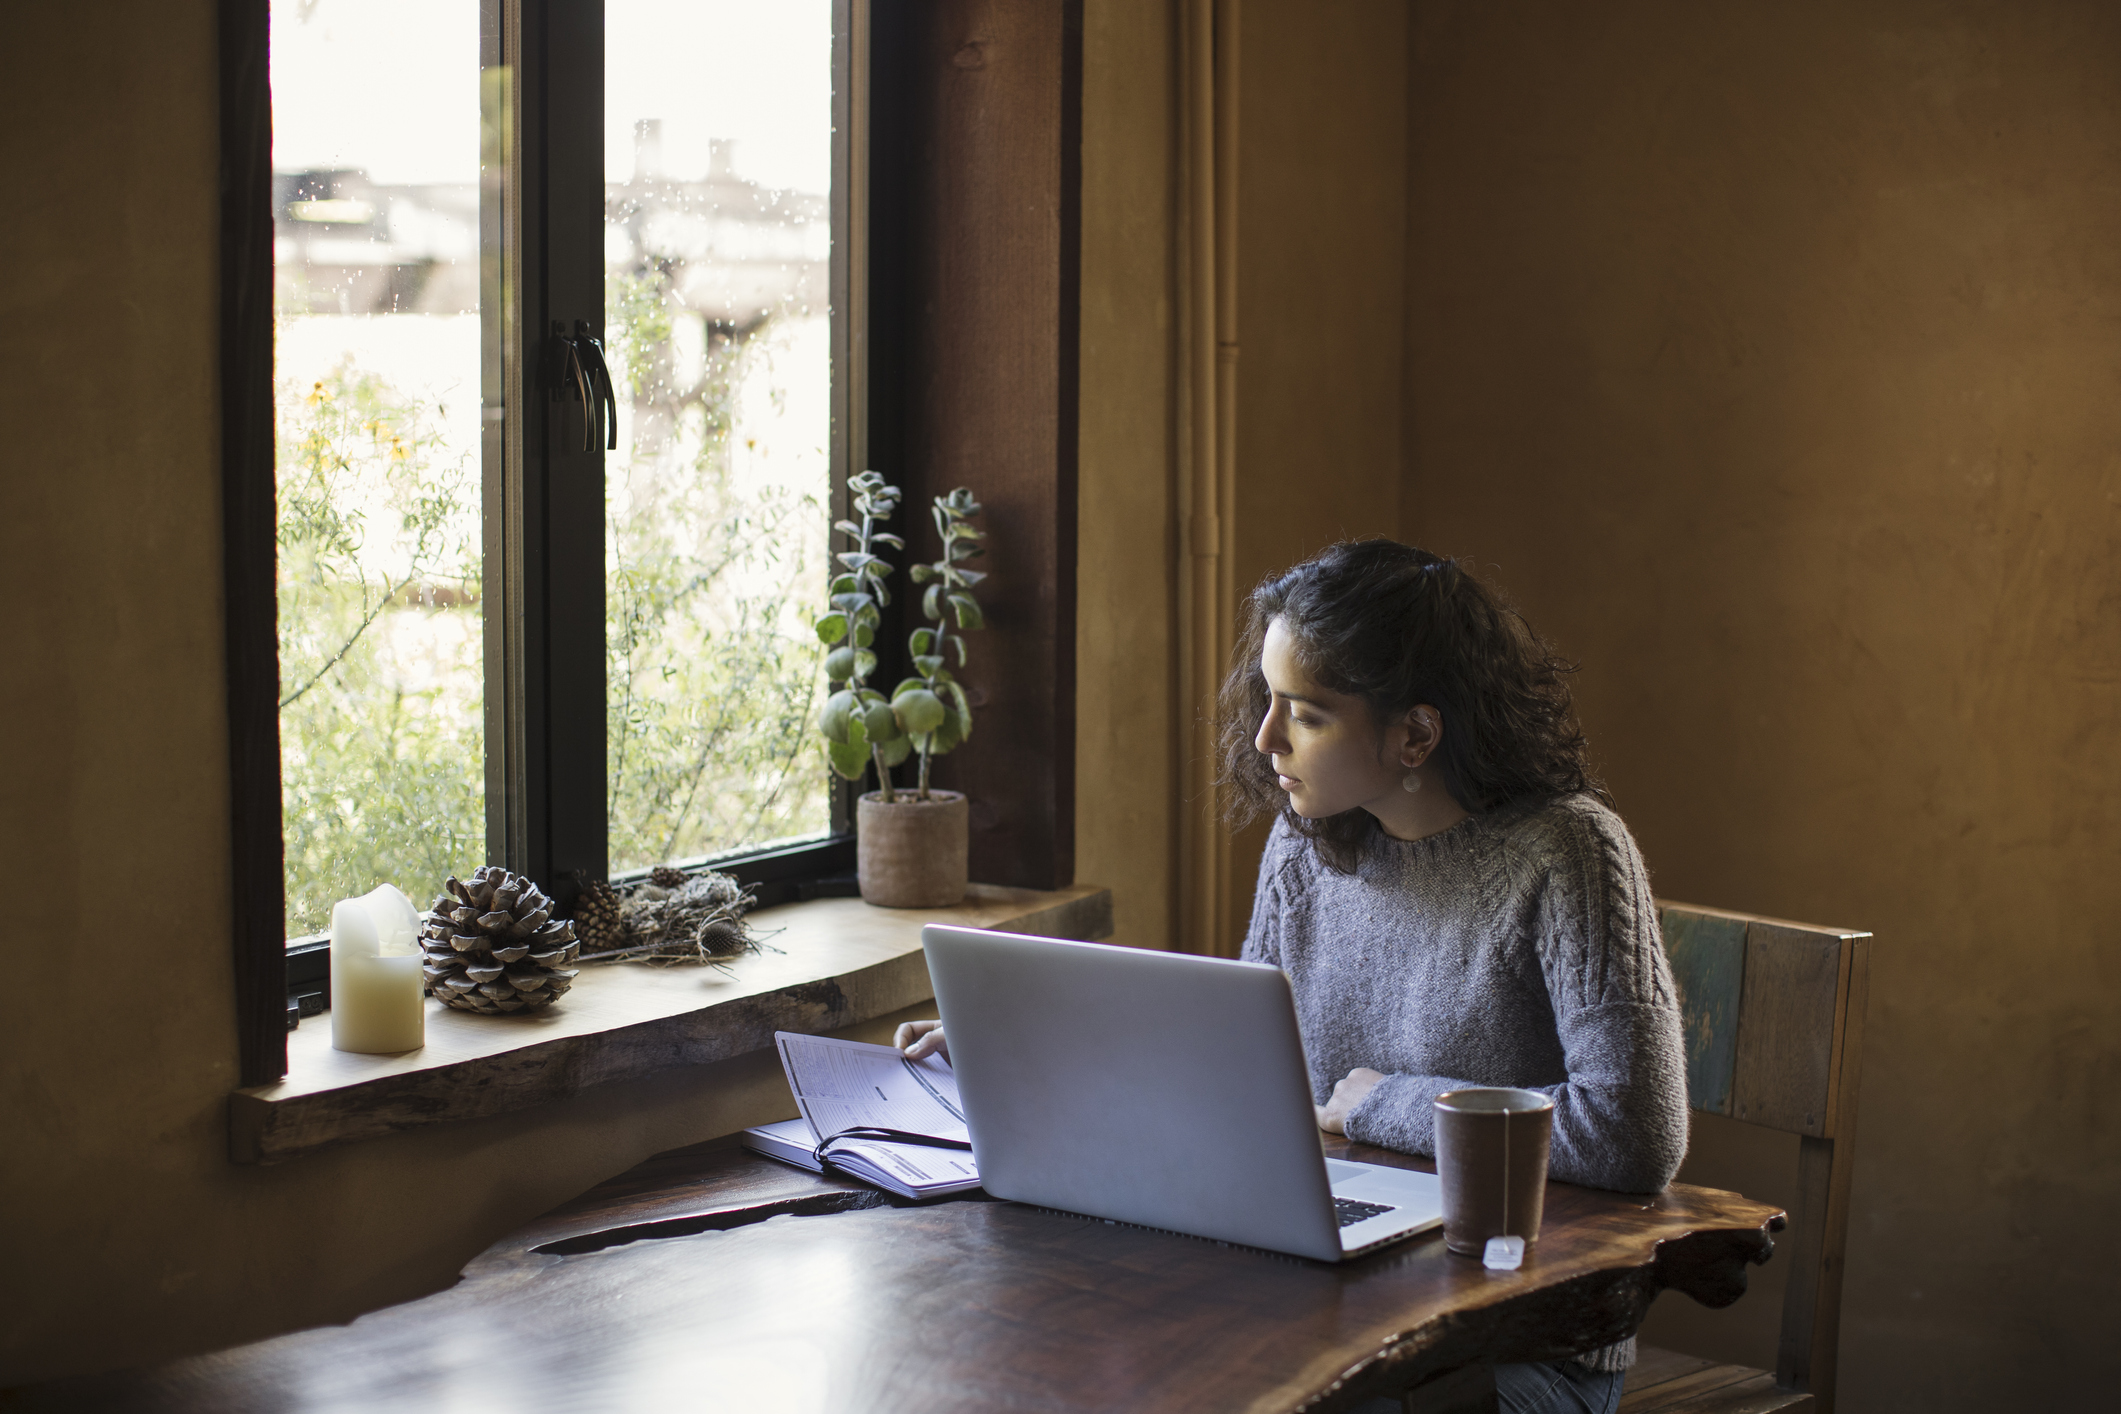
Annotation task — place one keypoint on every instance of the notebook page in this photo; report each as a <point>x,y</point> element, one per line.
<point>847,1084</point>
<point>915,1168</point>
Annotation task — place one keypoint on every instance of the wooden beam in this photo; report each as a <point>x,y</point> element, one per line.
<point>250,607</point>
<point>975,234</point>
<point>1207,479</point>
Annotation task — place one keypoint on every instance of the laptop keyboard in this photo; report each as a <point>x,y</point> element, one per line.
<point>1351,1212</point>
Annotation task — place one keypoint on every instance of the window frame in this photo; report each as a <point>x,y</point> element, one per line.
<point>542,265</point>
<point>546,796</point>
<point>258,903</point>
<point>971,296</point>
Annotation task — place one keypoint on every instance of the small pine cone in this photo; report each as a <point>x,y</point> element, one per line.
<point>493,946</point>
<point>597,918</point>
<point>665,877</point>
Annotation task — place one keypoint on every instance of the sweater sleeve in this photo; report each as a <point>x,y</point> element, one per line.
<point>1620,1118</point>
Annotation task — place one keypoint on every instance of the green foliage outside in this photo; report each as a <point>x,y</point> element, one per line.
<point>382,767</point>
<point>711,674</point>
<point>711,677</point>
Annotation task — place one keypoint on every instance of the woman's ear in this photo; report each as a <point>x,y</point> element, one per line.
<point>1424,735</point>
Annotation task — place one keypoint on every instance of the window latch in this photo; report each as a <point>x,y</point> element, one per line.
<point>583,372</point>
<point>591,350</point>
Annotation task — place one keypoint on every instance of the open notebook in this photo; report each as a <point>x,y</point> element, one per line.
<point>843,1086</point>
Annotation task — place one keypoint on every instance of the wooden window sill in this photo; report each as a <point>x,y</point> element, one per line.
<point>839,962</point>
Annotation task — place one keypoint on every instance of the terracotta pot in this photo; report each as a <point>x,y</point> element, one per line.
<point>912,854</point>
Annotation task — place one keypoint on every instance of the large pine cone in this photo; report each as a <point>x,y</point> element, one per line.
<point>493,946</point>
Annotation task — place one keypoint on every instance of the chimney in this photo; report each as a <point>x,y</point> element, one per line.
<point>647,149</point>
<point>721,156</point>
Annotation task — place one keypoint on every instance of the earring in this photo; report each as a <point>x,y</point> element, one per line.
<point>1410,782</point>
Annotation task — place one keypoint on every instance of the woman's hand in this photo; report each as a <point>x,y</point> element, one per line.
<point>924,1038</point>
<point>1333,1114</point>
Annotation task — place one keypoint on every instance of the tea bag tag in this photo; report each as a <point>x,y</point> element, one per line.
<point>1504,1254</point>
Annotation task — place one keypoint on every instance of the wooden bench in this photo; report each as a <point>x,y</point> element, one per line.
<point>1773,1014</point>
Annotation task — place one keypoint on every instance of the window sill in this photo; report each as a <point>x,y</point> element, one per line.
<point>840,962</point>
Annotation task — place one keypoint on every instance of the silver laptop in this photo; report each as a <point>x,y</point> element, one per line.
<point>1154,1088</point>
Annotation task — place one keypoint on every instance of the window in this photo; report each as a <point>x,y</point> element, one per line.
<point>717,249</point>
<point>512,625</point>
<point>377,152</point>
<point>974,112</point>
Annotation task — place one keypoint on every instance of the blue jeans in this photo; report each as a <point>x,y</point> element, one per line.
<point>1562,1387</point>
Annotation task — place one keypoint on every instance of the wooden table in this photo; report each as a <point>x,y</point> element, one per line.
<point>709,1278</point>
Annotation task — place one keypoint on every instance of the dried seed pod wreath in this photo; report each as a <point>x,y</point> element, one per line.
<point>673,917</point>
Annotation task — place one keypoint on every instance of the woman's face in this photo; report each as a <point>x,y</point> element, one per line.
<point>1326,746</point>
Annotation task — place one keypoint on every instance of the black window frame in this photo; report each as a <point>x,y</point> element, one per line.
<point>543,568</point>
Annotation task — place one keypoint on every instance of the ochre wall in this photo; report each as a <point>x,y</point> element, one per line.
<point>131,1237</point>
<point>1125,773</point>
<point>1321,188</point>
<point>1321,200</point>
<point>1771,356</point>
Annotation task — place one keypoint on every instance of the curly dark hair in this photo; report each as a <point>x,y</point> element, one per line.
<point>1396,626</point>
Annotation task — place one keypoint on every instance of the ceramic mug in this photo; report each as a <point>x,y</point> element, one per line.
<point>1491,1153</point>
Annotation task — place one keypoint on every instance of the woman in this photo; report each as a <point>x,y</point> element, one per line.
<point>1448,891</point>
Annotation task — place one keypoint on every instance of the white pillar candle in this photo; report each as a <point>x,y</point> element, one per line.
<point>376,1006</point>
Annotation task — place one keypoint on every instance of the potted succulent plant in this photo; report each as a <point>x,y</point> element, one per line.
<point>911,847</point>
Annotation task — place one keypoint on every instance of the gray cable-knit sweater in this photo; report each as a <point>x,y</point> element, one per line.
<point>1519,947</point>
